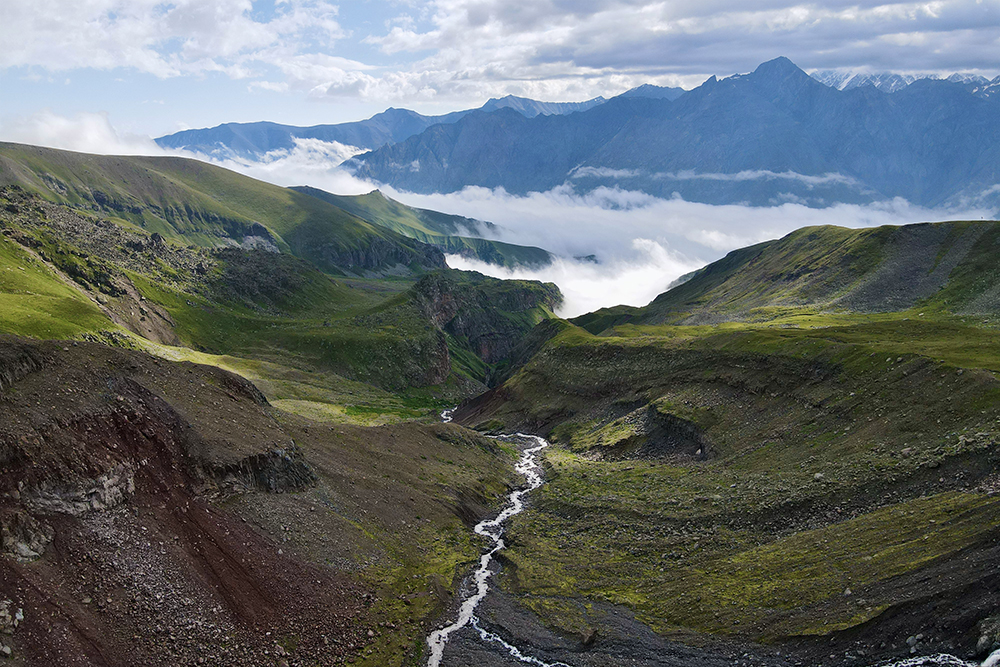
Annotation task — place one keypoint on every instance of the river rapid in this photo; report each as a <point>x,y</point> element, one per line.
<point>493,529</point>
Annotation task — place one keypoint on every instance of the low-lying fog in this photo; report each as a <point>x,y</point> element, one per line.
<point>612,246</point>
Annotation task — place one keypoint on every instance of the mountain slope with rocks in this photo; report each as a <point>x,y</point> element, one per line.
<point>162,513</point>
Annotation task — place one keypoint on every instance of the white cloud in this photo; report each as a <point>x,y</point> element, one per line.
<point>85,132</point>
<point>758,175</point>
<point>605,221</point>
<point>578,50</point>
<point>587,286</point>
<point>159,38</point>
<point>461,52</point>
<point>603,172</point>
<point>310,162</point>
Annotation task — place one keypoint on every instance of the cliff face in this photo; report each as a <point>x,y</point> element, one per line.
<point>377,256</point>
<point>485,316</point>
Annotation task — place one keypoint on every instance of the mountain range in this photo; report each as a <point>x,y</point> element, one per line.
<point>772,136</point>
<point>775,135</point>
<point>890,82</point>
<point>255,140</point>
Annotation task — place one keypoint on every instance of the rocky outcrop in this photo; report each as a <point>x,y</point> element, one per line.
<point>376,255</point>
<point>488,317</point>
<point>23,536</point>
<point>17,361</point>
<point>276,471</point>
<point>105,492</point>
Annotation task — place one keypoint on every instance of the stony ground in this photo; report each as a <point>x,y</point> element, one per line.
<point>159,513</point>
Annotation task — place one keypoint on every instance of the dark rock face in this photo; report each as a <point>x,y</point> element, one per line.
<point>276,471</point>
<point>17,361</point>
<point>490,316</point>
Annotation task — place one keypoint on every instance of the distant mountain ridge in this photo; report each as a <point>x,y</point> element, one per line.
<point>255,140</point>
<point>890,82</point>
<point>773,136</point>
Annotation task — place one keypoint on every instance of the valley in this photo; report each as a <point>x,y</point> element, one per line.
<point>216,392</point>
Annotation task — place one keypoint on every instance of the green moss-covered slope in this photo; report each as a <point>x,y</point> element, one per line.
<point>946,266</point>
<point>450,233</point>
<point>797,446</point>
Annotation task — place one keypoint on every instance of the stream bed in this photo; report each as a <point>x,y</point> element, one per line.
<point>493,530</point>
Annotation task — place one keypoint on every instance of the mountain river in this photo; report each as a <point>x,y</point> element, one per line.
<point>493,530</point>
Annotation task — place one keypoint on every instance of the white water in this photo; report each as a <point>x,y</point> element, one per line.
<point>940,660</point>
<point>945,660</point>
<point>493,530</point>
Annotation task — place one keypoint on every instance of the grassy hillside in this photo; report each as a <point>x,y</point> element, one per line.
<point>197,203</point>
<point>939,267</point>
<point>811,463</point>
<point>371,350</point>
<point>450,233</point>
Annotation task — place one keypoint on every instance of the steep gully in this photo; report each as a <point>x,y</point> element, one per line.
<point>493,530</point>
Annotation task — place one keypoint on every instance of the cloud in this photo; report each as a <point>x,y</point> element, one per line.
<point>606,220</point>
<point>163,39</point>
<point>464,51</point>
<point>85,132</point>
<point>587,286</point>
<point>758,175</point>
<point>311,162</point>
<point>691,175</point>
<point>581,47</point>
<point>603,172</point>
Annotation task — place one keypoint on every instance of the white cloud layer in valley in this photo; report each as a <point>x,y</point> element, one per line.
<point>641,243</point>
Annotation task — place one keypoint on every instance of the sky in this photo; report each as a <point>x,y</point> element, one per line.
<point>106,76</point>
<point>155,67</point>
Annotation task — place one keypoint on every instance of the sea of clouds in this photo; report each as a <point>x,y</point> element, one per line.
<point>611,246</point>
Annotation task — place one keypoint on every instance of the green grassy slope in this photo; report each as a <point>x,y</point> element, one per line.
<point>346,349</point>
<point>737,481</point>
<point>35,302</point>
<point>447,232</point>
<point>944,266</point>
<point>198,203</point>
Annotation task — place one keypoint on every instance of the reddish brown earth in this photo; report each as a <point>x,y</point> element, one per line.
<point>159,513</point>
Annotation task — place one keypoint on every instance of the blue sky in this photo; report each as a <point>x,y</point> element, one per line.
<point>104,76</point>
<point>149,67</point>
